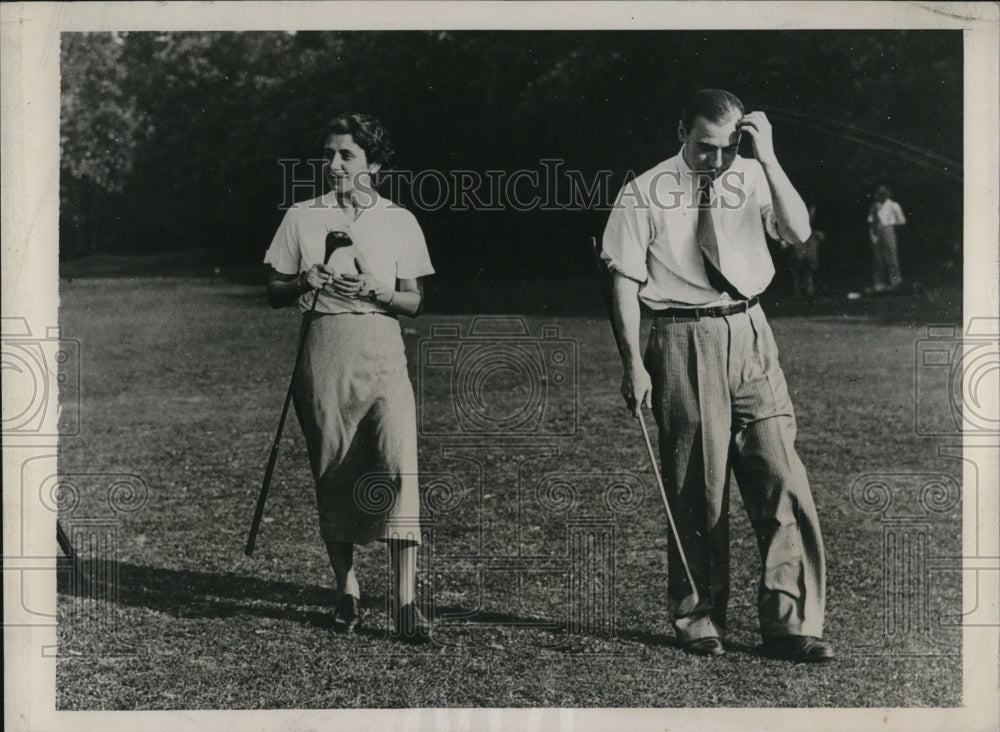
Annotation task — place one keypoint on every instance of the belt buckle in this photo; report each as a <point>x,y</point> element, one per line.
<point>687,316</point>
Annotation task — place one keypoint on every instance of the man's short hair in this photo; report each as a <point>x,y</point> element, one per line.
<point>366,131</point>
<point>712,104</point>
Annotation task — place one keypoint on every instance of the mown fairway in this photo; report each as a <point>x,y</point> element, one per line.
<point>183,381</point>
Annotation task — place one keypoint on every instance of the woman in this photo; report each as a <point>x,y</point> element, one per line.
<point>352,393</point>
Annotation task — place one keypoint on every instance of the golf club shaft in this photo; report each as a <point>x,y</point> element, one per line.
<point>619,341</point>
<point>273,458</point>
<point>670,516</point>
<point>64,543</point>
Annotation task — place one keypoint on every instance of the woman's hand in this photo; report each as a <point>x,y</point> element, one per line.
<point>362,286</point>
<point>284,290</point>
<point>317,277</point>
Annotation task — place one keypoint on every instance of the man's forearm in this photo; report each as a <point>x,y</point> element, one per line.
<point>625,311</point>
<point>790,211</point>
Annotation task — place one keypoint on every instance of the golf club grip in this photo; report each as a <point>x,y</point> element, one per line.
<point>273,457</point>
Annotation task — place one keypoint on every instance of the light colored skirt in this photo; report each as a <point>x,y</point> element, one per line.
<point>355,405</point>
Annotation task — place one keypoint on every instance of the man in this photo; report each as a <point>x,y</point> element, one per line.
<point>686,240</point>
<point>883,218</point>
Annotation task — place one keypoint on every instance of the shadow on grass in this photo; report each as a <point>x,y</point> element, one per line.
<point>187,594</point>
<point>192,595</point>
<point>655,640</point>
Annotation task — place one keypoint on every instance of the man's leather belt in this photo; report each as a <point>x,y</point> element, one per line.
<point>719,311</point>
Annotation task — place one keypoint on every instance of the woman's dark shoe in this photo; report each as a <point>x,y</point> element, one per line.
<point>798,648</point>
<point>411,625</point>
<point>708,646</point>
<point>346,614</point>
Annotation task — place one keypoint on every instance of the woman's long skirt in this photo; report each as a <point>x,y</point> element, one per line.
<point>355,405</point>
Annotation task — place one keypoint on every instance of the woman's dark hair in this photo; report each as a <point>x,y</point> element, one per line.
<point>367,132</point>
<point>712,104</point>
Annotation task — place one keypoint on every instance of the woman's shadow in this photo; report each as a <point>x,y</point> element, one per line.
<point>191,594</point>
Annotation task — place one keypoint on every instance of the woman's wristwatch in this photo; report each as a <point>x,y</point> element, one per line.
<point>303,282</point>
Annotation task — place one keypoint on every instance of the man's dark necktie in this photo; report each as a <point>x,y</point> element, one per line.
<point>709,243</point>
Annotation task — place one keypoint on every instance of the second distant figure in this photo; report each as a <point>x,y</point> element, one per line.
<point>883,218</point>
<point>803,260</point>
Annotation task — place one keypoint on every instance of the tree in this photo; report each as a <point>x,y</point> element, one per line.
<point>100,130</point>
<point>179,135</point>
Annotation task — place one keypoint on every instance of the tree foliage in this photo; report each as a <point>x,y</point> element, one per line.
<point>99,134</point>
<point>173,140</point>
<point>100,126</point>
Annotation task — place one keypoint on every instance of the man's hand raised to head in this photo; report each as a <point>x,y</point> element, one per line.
<point>757,125</point>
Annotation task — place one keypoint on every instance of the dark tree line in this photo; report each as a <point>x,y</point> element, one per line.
<point>172,141</point>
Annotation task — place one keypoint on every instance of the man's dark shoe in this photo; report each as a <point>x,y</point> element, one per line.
<point>798,648</point>
<point>411,625</point>
<point>346,614</point>
<point>708,646</point>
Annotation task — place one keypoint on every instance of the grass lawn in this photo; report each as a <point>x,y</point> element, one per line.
<point>183,381</point>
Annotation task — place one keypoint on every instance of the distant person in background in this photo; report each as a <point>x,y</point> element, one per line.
<point>805,261</point>
<point>883,218</point>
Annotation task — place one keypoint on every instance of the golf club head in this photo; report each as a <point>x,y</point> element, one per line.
<point>335,240</point>
<point>688,605</point>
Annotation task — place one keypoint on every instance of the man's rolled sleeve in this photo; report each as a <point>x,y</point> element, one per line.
<point>762,195</point>
<point>627,235</point>
<point>770,222</point>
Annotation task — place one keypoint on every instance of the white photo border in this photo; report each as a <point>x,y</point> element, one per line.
<point>30,174</point>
